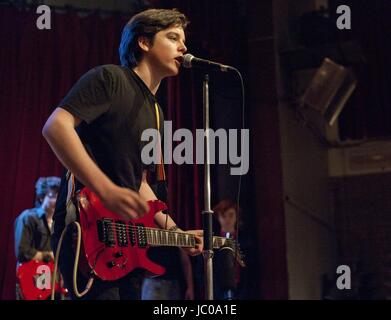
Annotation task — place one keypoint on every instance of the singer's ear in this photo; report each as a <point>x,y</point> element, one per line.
<point>144,43</point>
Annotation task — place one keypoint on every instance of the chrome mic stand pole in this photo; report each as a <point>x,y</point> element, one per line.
<point>207,213</point>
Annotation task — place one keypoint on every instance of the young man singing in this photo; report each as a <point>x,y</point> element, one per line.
<point>96,132</point>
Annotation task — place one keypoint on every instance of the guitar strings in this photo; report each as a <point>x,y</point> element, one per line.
<point>181,237</point>
<point>122,227</point>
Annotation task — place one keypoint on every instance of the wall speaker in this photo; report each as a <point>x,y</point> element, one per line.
<point>329,90</point>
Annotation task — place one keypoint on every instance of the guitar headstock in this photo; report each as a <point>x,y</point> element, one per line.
<point>234,246</point>
<point>239,255</point>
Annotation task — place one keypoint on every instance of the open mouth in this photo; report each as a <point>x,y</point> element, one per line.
<point>179,60</point>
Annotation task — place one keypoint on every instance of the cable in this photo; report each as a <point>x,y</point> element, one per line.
<point>75,265</point>
<point>241,168</point>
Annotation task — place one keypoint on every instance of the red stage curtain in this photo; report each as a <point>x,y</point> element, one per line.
<point>37,68</point>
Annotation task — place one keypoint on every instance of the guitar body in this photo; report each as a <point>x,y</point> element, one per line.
<point>27,276</point>
<point>112,246</point>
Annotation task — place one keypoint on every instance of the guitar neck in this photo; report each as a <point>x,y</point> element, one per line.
<point>159,237</point>
<point>116,233</point>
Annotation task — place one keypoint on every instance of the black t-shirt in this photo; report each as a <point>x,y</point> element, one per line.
<point>116,107</point>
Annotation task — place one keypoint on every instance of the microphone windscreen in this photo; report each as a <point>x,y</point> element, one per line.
<point>186,60</point>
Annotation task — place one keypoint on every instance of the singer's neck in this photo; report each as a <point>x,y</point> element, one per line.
<point>145,72</point>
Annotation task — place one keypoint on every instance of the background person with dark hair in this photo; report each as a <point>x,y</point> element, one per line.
<point>228,275</point>
<point>33,226</point>
<point>227,213</point>
<point>230,280</point>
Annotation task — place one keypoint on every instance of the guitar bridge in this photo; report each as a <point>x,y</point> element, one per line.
<point>106,232</point>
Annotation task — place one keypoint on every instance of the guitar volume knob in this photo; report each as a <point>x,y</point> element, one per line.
<point>118,254</point>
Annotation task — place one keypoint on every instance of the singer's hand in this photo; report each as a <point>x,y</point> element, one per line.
<point>125,202</point>
<point>199,246</point>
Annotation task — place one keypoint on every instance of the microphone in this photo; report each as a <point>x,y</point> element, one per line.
<point>190,61</point>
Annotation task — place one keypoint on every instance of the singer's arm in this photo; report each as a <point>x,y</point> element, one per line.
<point>59,131</point>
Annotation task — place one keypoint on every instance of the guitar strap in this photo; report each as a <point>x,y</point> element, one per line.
<point>161,175</point>
<point>71,213</point>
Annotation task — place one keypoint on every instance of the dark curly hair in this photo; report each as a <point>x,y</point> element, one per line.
<point>43,186</point>
<point>146,24</point>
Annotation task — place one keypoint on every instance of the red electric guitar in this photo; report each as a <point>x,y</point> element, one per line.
<point>113,247</point>
<point>34,279</point>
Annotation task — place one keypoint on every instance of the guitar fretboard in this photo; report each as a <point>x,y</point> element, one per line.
<point>118,233</point>
<point>159,237</point>
<point>121,234</point>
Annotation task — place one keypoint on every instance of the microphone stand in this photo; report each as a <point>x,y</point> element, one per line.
<point>207,213</point>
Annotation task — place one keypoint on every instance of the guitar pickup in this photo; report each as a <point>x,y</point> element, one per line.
<point>122,237</point>
<point>106,232</point>
<point>141,235</point>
